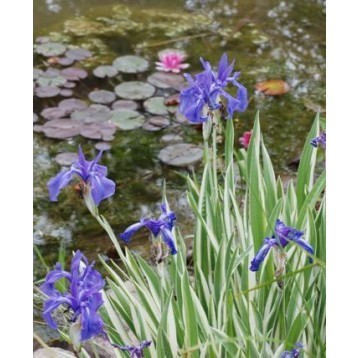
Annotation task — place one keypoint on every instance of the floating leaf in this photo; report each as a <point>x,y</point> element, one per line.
<point>37,128</point>
<point>181,155</point>
<point>35,118</point>
<point>134,90</point>
<point>105,71</point>
<point>51,113</point>
<point>74,73</point>
<point>97,130</point>
<point>69,105</point>
<point>172,100</point>
<point>171,139</point>
<point>69,85</point>
<point>90,115</point>
<point>127,119</point>
<point>100,107</point>
<point>50,49</point>
<point>37,73</point>
<point>155,105</point>
<point>42,39</point>
<point>131,64</point>
<point>66,93</point>
<point>272,87</point>
<point>102,96</point>
<point>156,124</point>
<point>47,91</point>
<point>124,104</point>
<point>65,61</point>
<point>103,146</point>
<point>66,158</point>
<point>61,129</point>
<point>166,80</point>
<point>51,80</point>
<point>180,118</point>
<point>78,54</point>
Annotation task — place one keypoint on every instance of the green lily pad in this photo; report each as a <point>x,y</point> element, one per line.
<point>51,81</point>
<point>102,96</point>
<point>105,71</point>
<point>37,73</point>
<point>127,120</point>
<point>181,155</point>
<point>155,105</point>
<point>131,64</point>
<point>134,90</point>
<point>50,49</point>
<point>91,115</point>
<point>166,80</point>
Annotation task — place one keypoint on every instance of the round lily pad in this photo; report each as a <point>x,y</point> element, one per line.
<point>103,146</point>
<point>50,49</point>
<point>105,71</point>
<point>66,61</point>
<point>66,93</point>
<point>42,39</point>
<point>131,64</point>
<point>74,73</point>
<point>51,113</point>
<point>181,155</point>
<point>156,124</point>
<point>90,115</point>
<point>166,80</point>
<point>134,90</point>
<point>69,85</point>
<point>180,118</point>
<point>52,72</point>
<point>37,73</point>
<point>47,91</point>
<point>172,100</point>
<point>66,158</point>
<point>61,129</point>
<point>69,105</point>
<point>124,104</point>
<point>100,107</point>
<point>155,105</point>
<point>97,130</point>
<point>127,120</point>
<point>78,54</point>
<point>272,87</point>
<point>50,80</point>
<point>171,139</point>
<point>102,96</point>
<point>37,128</point>
<point>35,118</point>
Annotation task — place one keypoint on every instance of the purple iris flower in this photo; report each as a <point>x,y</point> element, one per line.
<point>281,237</point>
<point>321,139</point>
<point>135,352</point>
<point>201,97</point>
<point>83,296</point>
<point>93,177</point>
<point>163,225</point>
<point>294,353</point>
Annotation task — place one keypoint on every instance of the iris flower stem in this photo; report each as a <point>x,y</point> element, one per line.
<point>215,176</point>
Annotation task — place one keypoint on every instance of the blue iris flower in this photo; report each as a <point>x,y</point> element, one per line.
<point>135,352</point>
<point>294,353</point>
<point>93,177</point>
<point>163,225</point>
<point>202,96</point>
<point>321,139</point>
<point>83,295</point>
<point>281,238</point>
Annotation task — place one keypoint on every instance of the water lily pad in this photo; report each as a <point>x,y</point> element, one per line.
<point>272,87</point>
<point>35,118</point>
<point>124,104</point>
<point>37,128</point>
<point>42,39</point>
<point>103,146</point>
<point>69,105</point>
<point>166,80</point>
<point>156,124</point>
<point>47,91</point>
<point>51,80</point>
<point>100,107</point>
<point>90,115</point>
<point>78,54</point>
<point>66,61</point>
<point>127,120</point>
<point>37,73</point>
<point>131,64</point>
<point>171,139</point>
<point>66,93</point>
<point>155,105</point>
<point>97,130</point>
<point>50,49</point>
<point>74,73</point>
<point>172,100</point>
<point>181,155</point>
<point>134,90</point>
<point>180,118</point>
<point>105,71</point>
<point>66,158</point>
<point>102,96</point>
<point>69,85</point>
<point>51,113</point>
<point>61,129</point>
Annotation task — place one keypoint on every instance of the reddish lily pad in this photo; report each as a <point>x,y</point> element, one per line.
<point>131,64</point>
<point>78,54</point>
<point>47,91</point>
<point>171,139</point>
<point>37,128</point>
<point>69,105</point>
<point>166,80</point>
<point>102,96</point>
<point>125,104</point>
<point>181,155</point>
<point>134,90</point>
<point>155,105</point>
<point>66,158</point>
<point>61,129</point>
<point>35,118</point>
<point>97,130</point>
<point>156,124</point>
<point>74,73</point>
<point>37,73</point>
<point>103,146</point>
<point>51,113</point>
<point>90,115</point>
<point>50,49</point>
<point>42,39</point>
<point>66,93</point>
<point>272,87</point>
<point>69,85</point>
<point>172,100</point>
<point>65,61</point>
<point>105,71</point>
<point>127,120</point>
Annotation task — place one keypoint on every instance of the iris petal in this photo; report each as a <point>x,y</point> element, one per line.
<point>128,233</point>
<point>55,184</point>
<point>91,323</point>
<point>169,240</point>
<point>101,188</point>
<point>261,255</point>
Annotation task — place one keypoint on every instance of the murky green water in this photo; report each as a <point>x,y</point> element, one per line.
<point>269,39</point>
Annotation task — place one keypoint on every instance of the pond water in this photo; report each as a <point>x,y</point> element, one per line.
<point>270,39</point>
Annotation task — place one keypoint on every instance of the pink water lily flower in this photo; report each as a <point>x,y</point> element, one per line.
<point>245,139</point>
<point>171,61</point>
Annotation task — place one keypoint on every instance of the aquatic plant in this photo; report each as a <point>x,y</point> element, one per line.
<point>171,61</point>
